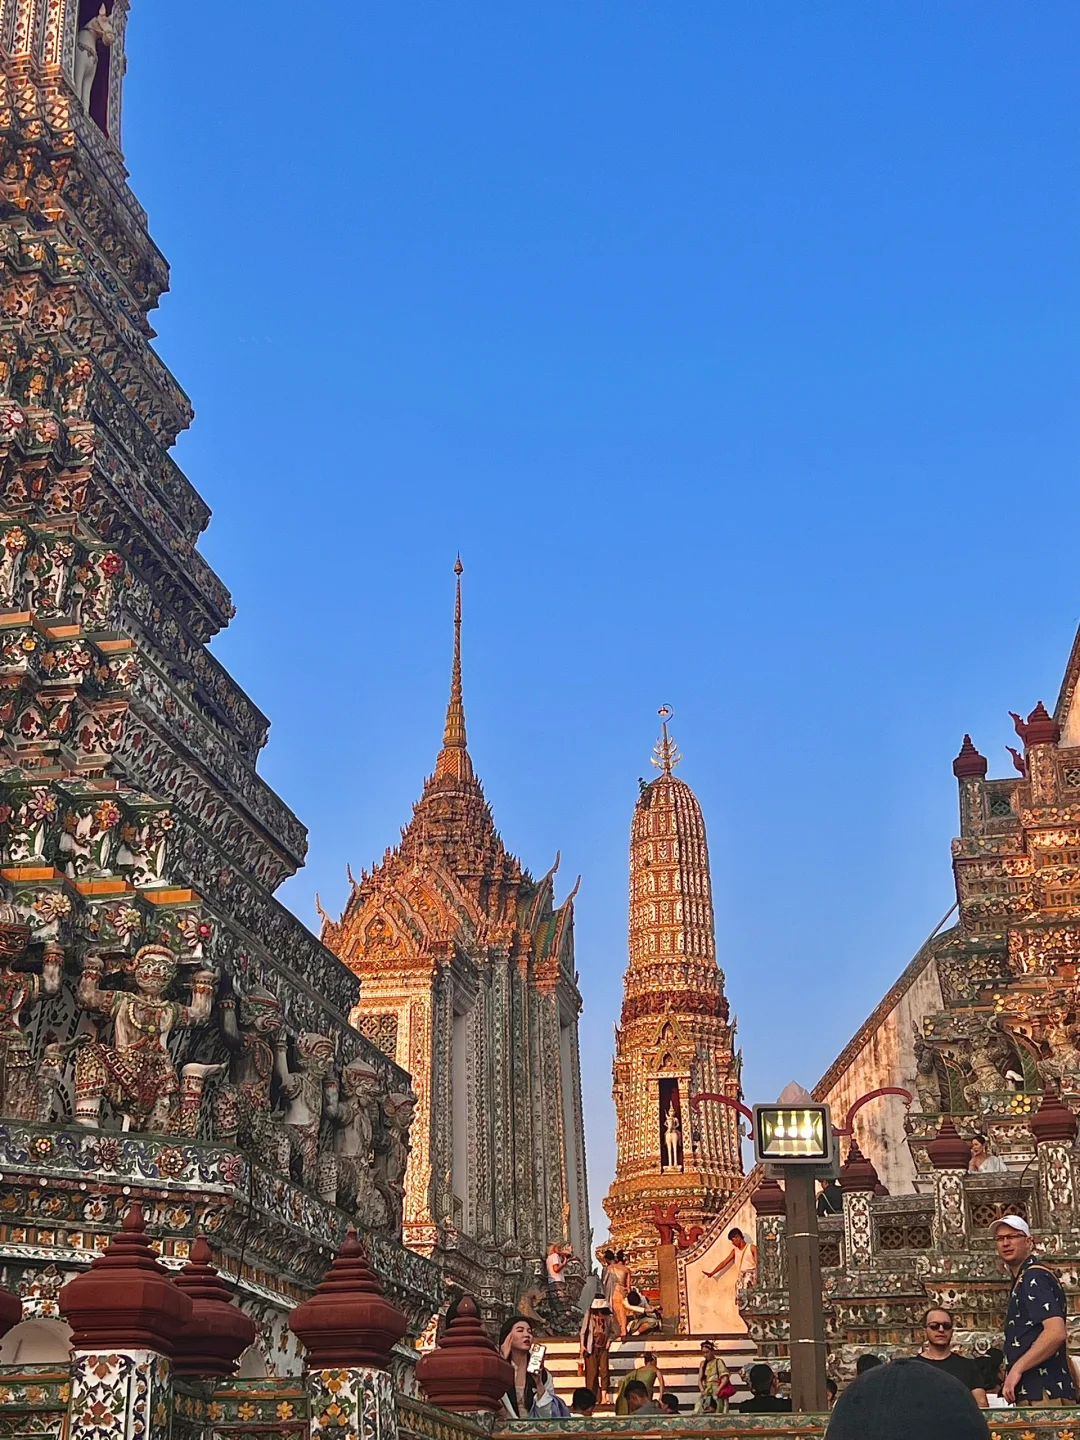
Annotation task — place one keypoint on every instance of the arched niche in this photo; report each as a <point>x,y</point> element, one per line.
<point>99,92</point>
<point>40,1341</point>
<point>252,1365</point>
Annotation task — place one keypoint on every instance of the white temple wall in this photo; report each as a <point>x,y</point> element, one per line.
<point>887,1057</point>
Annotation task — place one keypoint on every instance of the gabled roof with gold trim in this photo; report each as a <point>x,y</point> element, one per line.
<point>451,882</point>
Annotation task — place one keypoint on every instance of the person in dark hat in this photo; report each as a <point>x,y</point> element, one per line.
<point>907,1399</point>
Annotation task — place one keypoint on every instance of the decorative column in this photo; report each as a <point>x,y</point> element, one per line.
<point>1040,734</point>
<point>499,1004</point>
<point>1054,1126</point>
<point>969,767</point>
<point>349,1329</point>
<point>465,1372</point>
<point>770,1207</point>
<point>858,1180</point>
<point>949,1154</point>
<point>125,1314</point>
<point>218,1332</point>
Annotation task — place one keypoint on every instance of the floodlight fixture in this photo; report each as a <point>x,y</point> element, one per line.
<point>793,1134</point>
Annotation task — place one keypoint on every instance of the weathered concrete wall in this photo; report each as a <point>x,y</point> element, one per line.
<point>885,1056</point>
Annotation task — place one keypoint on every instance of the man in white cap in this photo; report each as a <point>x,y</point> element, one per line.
<point>1035,1352</point>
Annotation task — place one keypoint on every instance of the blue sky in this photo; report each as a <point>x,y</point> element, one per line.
<point>734,346</point>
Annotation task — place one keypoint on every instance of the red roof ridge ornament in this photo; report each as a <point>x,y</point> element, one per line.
<point>465,1372</point>
<point>1040,727</point>
<point>1053,1120</point>
<point>857,1172</point>
<point>127,1299</point>
<point>348,1323</point>
<point>949,1150</point>
<point>969,764</point>
<point>769,1199</point>
<point>218,1332</point>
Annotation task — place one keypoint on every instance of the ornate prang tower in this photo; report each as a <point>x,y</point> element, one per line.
<point>168,1030</point>
<point>467,977</point>
<point>675,1037</point>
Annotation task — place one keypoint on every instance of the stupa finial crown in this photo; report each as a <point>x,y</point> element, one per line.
<point>666,754</point>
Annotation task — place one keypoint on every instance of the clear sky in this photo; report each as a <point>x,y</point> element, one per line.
<point>735,347</point>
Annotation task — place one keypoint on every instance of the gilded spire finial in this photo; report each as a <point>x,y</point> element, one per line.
<point>454,756</point>
<point>666,755</point>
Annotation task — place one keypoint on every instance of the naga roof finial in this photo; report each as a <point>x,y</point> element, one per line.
<point>666,754</point>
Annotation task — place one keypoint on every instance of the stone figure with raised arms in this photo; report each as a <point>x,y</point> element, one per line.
<point>312,1093</point>
<point>136,1073</point>
<point>354,1145</point>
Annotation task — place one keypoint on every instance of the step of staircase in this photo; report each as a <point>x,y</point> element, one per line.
<point>678,1358</point>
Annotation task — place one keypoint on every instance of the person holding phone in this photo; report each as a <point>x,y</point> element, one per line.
<point>533,1394</point>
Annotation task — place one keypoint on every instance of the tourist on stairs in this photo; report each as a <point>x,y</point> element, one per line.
<point>595,1340</point>
<point>648,1372</point>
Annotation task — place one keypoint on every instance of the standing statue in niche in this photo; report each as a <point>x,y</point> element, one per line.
<point>983,1046</point>
<point>927,1078</point>
<point>1060,1038</point>
<point>22,1095</point>
<point>251,1026</point>
<point>136,1073</point>
<point>398,1110</point>
<point>86,54</point>
<point>354,1145</point>
<point>673,1138</point>
<point>312,1094</point>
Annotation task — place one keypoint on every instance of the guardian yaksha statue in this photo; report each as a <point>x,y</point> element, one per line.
<point>136,1073</point>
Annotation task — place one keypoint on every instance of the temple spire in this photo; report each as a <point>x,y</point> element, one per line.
<point>454,756</point>
<point>665,754</point>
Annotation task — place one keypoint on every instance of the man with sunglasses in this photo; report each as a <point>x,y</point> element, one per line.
<point>938,1324</point>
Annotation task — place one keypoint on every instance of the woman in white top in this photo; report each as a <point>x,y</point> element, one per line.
<point>983,1161</point>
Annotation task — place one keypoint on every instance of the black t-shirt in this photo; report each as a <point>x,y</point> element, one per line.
<point>761,1403</point>
<point>959,1366</point>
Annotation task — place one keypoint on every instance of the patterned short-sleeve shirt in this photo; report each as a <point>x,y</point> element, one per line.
<point>1036,1296</point>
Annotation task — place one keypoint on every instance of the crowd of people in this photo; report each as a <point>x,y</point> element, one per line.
<point>1032,1366</point>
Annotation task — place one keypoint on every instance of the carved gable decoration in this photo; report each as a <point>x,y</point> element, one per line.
<point>380,937</point>
<point>672,1050</point>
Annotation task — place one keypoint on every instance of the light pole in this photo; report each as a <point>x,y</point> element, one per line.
<point>795,1142</point>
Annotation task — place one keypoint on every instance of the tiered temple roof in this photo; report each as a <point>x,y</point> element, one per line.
<point>467,970</point>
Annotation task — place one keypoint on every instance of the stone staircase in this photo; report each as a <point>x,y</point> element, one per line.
<point>678,1358</point>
